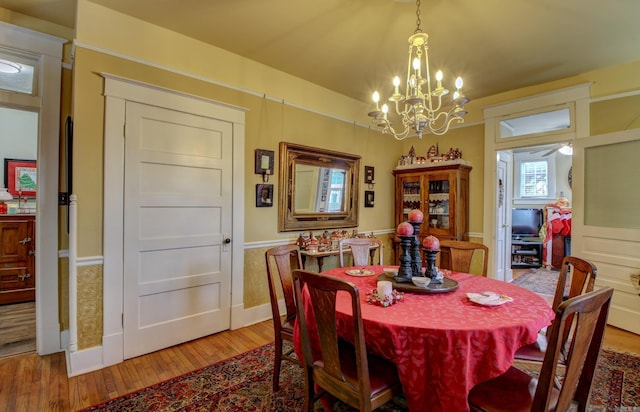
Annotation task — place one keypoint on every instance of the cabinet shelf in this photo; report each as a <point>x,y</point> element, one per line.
<point>526,254</point>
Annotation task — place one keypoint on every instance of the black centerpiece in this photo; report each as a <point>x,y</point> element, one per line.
<point>405,271</point>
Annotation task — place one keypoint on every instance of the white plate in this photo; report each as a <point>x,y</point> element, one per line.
<point>360,272</point>
<point>489,298</point>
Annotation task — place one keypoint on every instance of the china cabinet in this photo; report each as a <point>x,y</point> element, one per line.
<point>17,258</point>
<point>441,191</point>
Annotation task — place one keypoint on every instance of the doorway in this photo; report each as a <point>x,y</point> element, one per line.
<point>44,52</point>
<point>18,141</point>
<point>553,185</point>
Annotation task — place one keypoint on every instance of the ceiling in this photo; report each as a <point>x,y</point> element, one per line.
<point>356,46</point>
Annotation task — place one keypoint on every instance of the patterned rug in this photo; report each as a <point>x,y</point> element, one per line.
<point>542,281</point>
<point>243,383</point>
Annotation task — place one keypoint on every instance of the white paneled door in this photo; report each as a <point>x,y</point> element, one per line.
<point>177,226</point>
<point>606,222</point>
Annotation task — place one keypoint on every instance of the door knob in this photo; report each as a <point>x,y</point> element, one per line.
<point>227,241</point>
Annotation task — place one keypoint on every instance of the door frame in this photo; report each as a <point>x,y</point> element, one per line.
<point>505,157</point>
<point>118,91</point>
<point>48,50</point>
<point>576,98</point>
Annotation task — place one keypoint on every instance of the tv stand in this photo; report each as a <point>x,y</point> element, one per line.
<point>526,253</point>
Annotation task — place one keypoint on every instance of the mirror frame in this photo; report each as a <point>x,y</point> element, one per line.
<point>288,220</point>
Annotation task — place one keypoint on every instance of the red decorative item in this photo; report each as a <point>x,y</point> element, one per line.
<point>405,229</point>
<point>431,243</point>
<point>416,215</point>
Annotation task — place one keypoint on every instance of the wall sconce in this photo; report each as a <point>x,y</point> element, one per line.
<point>264,163</point>
<point>368,176</point>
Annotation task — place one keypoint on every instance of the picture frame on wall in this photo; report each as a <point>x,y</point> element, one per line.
<point>21,177</point>
<point>264,195</point>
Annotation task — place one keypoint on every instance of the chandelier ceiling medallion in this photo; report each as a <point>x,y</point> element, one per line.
<point>420,107</point>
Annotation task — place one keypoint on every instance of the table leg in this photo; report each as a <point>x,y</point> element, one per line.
<point>304,260</point>
<point>320,260</point>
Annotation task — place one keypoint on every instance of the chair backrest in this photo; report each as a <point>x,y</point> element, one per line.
<point>325,365</point>
<point>583,276</point>
<point>461,256</point>
<point>359,250</point>
<point>283,260</point>
<point>590,311</point>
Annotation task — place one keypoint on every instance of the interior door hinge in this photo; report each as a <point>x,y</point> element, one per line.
<point>122,320</point>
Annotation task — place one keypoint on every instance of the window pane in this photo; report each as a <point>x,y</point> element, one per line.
<point>536,123</point>
<point>611,198</point>
<point>16,74</point>
<point>533,179</point>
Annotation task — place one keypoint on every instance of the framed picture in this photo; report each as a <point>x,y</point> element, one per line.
<point>264,195</point>
<point>369,198</point>
<point>20,177</point>
<point>264,162</point>
<point>368,174</point>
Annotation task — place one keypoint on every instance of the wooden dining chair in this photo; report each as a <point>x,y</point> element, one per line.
<point>360,248</point>
<point>283,260</point>
<point>346,371</point>
<point>583,276</point>
<point>461,256</point>
<point>516,390</point>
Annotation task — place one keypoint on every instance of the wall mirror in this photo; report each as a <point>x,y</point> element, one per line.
<point>318,188</point>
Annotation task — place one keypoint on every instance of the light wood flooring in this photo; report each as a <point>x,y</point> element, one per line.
<point>17,328</point>
<point>29,382</point>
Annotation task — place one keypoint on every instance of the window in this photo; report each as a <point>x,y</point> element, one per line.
<point>18,73</point>
<point>544,122</point>
<point>534,179</point>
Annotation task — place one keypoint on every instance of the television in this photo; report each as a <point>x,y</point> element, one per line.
<point>525,223</point>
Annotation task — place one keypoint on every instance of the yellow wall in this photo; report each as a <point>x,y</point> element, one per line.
<point>147,53</point>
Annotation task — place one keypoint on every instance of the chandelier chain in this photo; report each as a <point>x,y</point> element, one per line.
<point>418,21</point>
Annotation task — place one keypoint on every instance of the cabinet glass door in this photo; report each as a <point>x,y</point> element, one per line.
<point>410,197</point>
<point>439,204</point>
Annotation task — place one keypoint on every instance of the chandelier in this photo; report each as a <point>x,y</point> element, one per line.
<point>419,108</point>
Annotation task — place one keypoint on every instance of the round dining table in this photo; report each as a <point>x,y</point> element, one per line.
<point>443,344</point>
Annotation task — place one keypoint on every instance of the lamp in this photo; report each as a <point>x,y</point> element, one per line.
<point>566,149</point>
<point>9,67</point>
<point>420,107</point>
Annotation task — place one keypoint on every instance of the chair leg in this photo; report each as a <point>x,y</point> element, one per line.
<point>310,396</point>
<point>277,363</point>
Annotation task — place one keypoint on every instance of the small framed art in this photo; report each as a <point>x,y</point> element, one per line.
<point>20,177</point>
<point>264,195</point>
<point>369,198</point>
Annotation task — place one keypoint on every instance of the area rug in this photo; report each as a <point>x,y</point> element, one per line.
<point>243,383</point>
<point>542,281</point>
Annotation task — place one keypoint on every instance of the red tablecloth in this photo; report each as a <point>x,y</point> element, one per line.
<point>443,344</point>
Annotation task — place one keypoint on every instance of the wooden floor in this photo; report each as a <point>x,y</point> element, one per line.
<point>29,382</point>
<point>17,328</point>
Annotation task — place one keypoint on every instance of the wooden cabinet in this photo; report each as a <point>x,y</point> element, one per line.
<point>17,258</point>
<point>441,192</point>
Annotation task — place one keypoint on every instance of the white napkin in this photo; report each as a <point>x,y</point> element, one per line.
<point>487,298</point>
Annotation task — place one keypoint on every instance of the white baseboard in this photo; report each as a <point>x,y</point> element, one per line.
<point>98,357</point>
<point>84,361</point>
